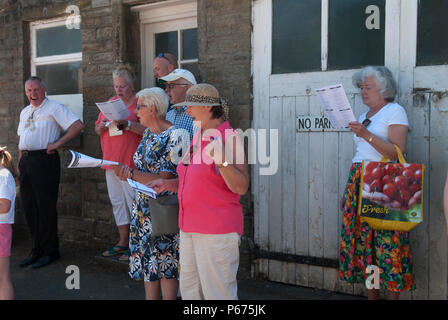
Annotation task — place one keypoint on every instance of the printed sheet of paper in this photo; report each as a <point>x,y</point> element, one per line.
<point>137,186</point>
<point>114,109</point>
<point>80,160</point>
<point>336,106</point>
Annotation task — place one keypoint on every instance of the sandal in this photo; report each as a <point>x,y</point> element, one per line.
<point>125,256</point>
<point>114,250</point>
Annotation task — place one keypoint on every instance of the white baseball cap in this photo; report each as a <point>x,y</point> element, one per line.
<point>179,73</point>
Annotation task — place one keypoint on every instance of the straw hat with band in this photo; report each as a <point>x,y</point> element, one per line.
<point>204,95</point>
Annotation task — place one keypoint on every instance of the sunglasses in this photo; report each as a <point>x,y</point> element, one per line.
<point>366,122</point>
<point>162,55</point>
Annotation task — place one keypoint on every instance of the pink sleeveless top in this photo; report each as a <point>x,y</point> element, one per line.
<point>206,204</point>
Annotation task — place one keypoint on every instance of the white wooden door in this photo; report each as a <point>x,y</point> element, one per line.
<point>424,90</point>
<point>296,210</point>
<point>173,17</point>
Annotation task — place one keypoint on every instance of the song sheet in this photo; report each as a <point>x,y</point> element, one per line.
<point>137,186</point>
<point>336,106</point>
<point>114,109</point>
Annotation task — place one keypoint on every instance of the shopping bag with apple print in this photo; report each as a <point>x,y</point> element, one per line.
<point>391,194</point>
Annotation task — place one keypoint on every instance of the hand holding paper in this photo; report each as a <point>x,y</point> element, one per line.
<point>137,186</point>
<point>114,109</point>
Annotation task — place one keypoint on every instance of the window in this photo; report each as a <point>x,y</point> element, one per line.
<point>296,36</point>
<point>183,44</point>
<point>56,56</point>
<point>356,33</point>
<point>313,35</point>
<point>432,47</point>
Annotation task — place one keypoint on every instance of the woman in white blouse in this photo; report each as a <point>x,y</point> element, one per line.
<point>376,132</point>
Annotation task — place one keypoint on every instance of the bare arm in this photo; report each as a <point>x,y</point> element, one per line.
<point>73,131</point>
<point>5,206</point>
<point>123,172</point>
<point>235,174</point>
<point>398,135</point>
<point>161,185</point>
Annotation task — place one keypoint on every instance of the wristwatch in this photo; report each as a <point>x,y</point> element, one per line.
<point>223,165</point>
<point>128,126</point>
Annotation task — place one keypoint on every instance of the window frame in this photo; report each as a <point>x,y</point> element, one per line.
<point>73,101</point>
<point>53,59</point>
<point>325,15</point>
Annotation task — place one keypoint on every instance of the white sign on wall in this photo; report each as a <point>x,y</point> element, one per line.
<point>317,123</point>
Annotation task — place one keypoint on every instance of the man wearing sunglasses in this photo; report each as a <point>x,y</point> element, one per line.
<point>164,64</point>
<point>176,85</point>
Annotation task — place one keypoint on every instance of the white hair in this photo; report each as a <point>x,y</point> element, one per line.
<point>126,73</point>
<point>383,77</point>
<point>155,97</point>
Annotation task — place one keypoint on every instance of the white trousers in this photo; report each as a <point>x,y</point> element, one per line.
<point>208,266</point>
<point>121,196</point>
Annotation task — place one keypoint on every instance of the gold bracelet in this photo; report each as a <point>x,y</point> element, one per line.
<point>370,139</point>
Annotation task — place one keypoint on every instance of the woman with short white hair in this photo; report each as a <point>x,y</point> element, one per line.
<point>383,125</point>
<point>153,259</point>
<point>119,140</point>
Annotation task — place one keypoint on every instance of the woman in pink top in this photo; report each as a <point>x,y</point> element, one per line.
<point>211,180</point>
<point>119,140</point>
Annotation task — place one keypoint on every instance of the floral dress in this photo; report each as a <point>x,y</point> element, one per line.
<point>152,258</point>
<point>362,246</point>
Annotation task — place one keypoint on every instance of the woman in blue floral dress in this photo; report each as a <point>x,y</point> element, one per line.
<point>153,259</point>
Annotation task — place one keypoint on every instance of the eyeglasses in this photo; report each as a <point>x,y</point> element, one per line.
<point>366,122</point>
<point>171,85</point>
<point>141,106</point>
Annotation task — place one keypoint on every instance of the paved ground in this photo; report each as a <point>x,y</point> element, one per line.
<point>106,279</point>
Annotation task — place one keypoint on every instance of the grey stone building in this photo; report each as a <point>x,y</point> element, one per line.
<point>266,57</point>
<point>34,40</point>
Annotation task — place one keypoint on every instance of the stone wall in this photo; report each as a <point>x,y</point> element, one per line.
<point>110,36</point>
<point>85,215</point>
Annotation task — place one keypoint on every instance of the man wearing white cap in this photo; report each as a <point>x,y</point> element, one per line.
<point>177,84</point>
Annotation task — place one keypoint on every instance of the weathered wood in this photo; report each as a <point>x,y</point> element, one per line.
<point>288,168</point>
<point>261,69</point>
<point>437,229</point>
<point>275,182</point>
<point>311,224</point>
<point>301,194</point>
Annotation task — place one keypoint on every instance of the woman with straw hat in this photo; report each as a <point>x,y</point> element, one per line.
<point>211,179</point>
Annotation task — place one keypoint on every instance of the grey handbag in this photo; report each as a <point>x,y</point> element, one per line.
<point>164,215</point>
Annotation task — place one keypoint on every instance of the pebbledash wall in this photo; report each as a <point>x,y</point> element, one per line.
<point>110,36</point>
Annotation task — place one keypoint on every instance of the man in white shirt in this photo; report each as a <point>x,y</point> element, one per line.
<point>40,127</point>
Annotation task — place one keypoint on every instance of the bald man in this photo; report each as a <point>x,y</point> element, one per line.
<point>164,64</point>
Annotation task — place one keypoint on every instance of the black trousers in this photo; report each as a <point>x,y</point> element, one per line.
<point>39,188</point>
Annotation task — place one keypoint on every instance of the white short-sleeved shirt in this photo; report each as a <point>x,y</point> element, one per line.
<point>390,114</point>
<point>48,121</point>
<point>7,191</point>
